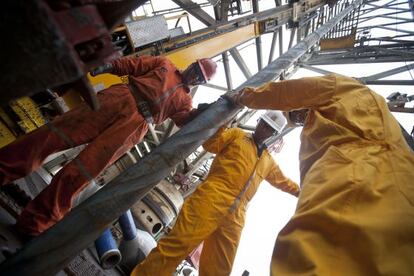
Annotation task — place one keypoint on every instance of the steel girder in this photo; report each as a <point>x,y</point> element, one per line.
<point>195,10</point>
<point>397,52</point>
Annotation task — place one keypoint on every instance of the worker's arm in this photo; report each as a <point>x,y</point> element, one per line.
<point>221,139</point>
<point>277,179</point>
<point>136,65</point>
<point>289,94</point>
<point>184,116</point>
<point>187,113</point>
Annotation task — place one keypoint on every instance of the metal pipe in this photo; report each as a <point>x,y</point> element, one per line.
<point>259,53</point>
<point>51,251</point>
<point>153,134</point>
<point>280,41</point>
<point>390,82</point>
<point>107,250</point>
<point>411,7</point>
<point>292,36</point>
<point>227,71</point>
<point>272,47</point>
<point>129,230</point>
<point>255,6</point>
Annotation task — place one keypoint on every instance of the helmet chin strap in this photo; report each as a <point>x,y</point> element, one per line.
<point>272,139</point>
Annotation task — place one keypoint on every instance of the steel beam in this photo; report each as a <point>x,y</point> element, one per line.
<point>315,69</point>
<point>221,13</point>
<point>272,47</point>
<point>240,62</point>
<point>390,82</point>
<point>195,10</point>
<point>292,37</point>
<point>277,67</point>
<point>397,52</point>
<point>389,72</point>
<point>411,7</point>
<point>401,109</point>
<point>255,5</point>
<point>214,86</point>
<point>227,71</point>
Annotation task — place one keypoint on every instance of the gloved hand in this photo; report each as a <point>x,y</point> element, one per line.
<point>203,106</point>
<point>233,97</point>
<point>106,68</point>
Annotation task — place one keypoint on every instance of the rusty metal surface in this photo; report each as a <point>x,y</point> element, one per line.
<point>48,46</point>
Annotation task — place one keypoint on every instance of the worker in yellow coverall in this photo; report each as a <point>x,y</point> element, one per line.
<point>355,213</point>
<point>215,212</point>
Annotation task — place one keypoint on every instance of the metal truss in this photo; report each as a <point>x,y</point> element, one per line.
<point>390,41</point>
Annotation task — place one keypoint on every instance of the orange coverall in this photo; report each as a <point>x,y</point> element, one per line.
<point>210,215</point>
<point>355,213</point>
<point>109,132</point>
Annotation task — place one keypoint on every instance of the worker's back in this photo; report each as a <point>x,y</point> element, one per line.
<point>354,115</point>
<point>355,210</point>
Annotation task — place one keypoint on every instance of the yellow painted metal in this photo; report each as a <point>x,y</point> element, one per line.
<point>211,47</point>
<point>30,116</point>
<point>6,135</point>
<point>106,80</point>
<point>338,43</point>
<point>185,56</point>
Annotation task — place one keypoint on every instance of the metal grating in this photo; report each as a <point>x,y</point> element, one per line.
<point>148,30</point>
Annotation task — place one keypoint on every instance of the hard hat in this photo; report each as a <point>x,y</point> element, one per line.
<point>208,68</point>
<point>274,119</point>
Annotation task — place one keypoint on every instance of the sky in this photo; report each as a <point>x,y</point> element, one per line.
<point>271,209</point>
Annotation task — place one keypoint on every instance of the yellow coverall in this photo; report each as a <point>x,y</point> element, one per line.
<point>206,215</point>
<point>355,214</point>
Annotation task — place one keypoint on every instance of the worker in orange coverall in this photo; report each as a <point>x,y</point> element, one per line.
<point>109,132</point>
<point>215,212</point>
<point>355,214</point>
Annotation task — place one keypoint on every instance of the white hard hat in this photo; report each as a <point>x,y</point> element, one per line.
<point>274,119</point>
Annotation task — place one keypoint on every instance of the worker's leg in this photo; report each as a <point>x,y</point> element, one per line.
<point>56,200</point>
<point>197,220</point>
<point>219,250</point>
<point>356,221</point>
<point>27,153</point>
<point>80,125</point>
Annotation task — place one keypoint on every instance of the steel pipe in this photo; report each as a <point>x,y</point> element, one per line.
<point>108,252</point>
<point>129,230</point>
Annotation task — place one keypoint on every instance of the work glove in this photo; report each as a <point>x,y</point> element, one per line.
<point>203,106</point>
<point>233,97</point>
<point>106,68</point>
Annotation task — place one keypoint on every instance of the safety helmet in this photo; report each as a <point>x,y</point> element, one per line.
<point>208,68</point>
<point>274,119</point>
